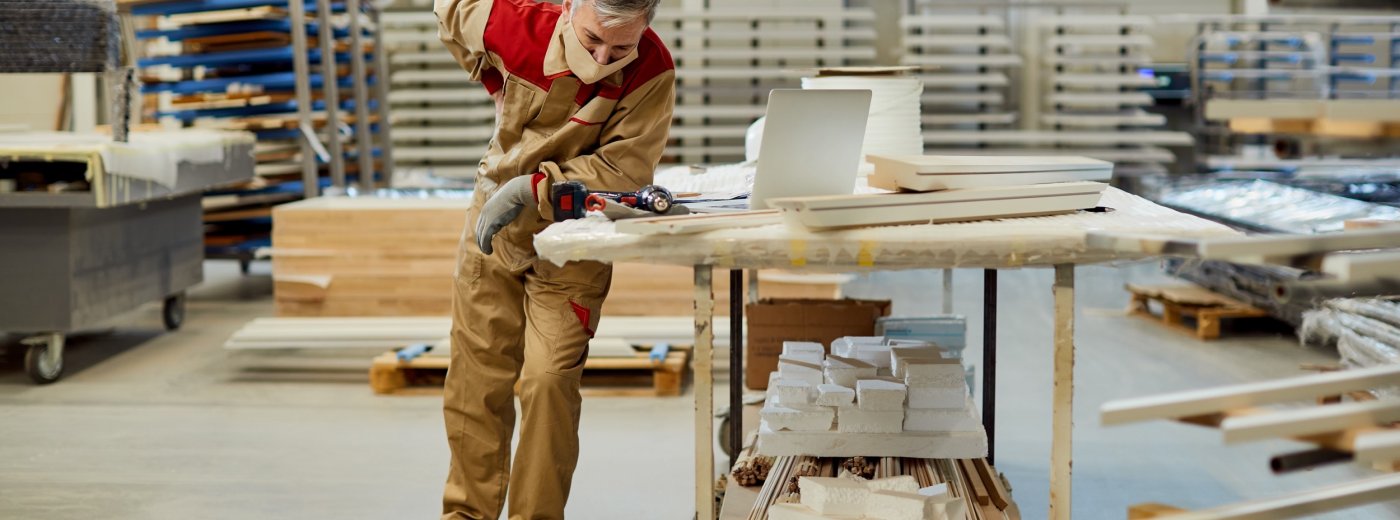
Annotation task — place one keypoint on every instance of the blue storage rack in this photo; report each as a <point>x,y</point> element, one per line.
<point>269,66</point>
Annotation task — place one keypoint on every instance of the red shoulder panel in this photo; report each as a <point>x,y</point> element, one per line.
<point>653,60</point>
<point>518,31</point>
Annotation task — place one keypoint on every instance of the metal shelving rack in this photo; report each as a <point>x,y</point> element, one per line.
<point>261,66</point>
<point>972,52</point>
<point>1301,68</point>
<point>730,53</point>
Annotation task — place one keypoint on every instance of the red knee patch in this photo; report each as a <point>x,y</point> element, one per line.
<point>585,317</point>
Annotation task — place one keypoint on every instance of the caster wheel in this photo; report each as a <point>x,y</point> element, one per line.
<point>44,359</point>
<point>174,312</point>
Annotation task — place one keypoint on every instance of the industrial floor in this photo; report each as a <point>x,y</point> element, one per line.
<point>149,425</point>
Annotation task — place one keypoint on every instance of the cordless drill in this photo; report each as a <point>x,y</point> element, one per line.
<point>573,200</point>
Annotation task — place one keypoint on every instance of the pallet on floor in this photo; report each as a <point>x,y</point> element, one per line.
<point>602,376</point>
<point>1181,301</point>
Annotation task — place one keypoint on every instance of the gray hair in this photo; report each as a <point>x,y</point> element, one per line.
<point>613,13</point>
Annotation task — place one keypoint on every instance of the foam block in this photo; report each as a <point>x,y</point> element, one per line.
<point>834,395</point>
<point>794,393</point>
<point>855,420</point>
<point>846,346</point>
<point>799,370</point>
<point>846,371</point>
<point>878,355</point>
<point>946,373</point>
<point>962,419</point>
<point>902,483</point>
<point>805,351</point>
<point>833,496</point>
<point>793,512</point>
<point>925,397</point>
<point>902,354</point>
<point>895,505</point>
<point>876,395</point>
<point>797,418</point>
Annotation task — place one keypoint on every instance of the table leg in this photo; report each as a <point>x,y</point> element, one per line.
<point>989,360</point>
<point>704,394</point>
<point>1061,446</point>
<point>736,360</point>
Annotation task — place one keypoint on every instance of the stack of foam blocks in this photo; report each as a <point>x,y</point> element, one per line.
<point>893,498</point>
<point>871,397</point>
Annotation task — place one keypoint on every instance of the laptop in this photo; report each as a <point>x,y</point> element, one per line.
<point>811,146</point>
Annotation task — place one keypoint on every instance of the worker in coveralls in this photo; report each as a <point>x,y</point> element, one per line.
<point>583,92</point>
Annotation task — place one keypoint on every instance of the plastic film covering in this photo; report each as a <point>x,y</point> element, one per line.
<point>151,156</point>
<point>1034,241</point>
<point>1365,331</point>
<point>1271,206</point>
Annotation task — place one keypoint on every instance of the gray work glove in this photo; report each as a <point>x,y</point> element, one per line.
<point>504,206</point>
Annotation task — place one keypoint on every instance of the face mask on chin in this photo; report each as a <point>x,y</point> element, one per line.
<point>581,63</point>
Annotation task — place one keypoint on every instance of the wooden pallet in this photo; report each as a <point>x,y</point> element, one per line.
<point>1189,301</point>
<point>602,376</point>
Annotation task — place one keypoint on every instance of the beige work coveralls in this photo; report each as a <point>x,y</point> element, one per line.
<point>515,316</point>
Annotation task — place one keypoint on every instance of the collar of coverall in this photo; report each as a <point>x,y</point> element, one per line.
<point>566,54</point>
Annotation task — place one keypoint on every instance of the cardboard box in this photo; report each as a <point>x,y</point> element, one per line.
<point>773,321</point>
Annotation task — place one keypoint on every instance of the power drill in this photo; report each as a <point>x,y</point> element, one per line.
<point>572,199</point>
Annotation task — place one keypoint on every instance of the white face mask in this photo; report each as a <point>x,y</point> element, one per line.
<point>581,63</point>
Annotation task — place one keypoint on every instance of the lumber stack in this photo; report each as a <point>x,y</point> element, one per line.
<point>1308,409</point>
<point>337,256</point>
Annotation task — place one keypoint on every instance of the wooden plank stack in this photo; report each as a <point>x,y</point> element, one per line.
<point>366,256</point>
<point>603,376</point>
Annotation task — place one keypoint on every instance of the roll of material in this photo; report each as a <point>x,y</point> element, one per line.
<point>894,127</point>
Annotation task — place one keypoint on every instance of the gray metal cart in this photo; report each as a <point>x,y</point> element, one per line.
<point>71,259</point>
<point>68,263</point>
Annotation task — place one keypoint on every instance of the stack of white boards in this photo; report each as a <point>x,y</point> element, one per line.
<point>850,211</point>
<point>893,498</point>
<point>871,397</point>
<point>954,189</point>
<point>951,172</point>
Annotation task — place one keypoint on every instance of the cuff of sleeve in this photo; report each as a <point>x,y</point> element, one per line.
<point>548,174</point>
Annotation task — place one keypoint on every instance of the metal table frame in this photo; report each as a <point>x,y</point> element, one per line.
<point>1063,394</point>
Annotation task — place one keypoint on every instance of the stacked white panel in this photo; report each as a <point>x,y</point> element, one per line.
<point>730,53</point>
<point>442,120</point>
<point>966,56</point>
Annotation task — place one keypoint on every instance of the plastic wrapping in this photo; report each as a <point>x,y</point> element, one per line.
<point>150,156</point>
<point>1032,241</point>
<point>1365,331</point>
<point>1267,205</point>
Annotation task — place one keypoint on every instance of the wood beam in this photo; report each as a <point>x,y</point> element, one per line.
<point>1216,400</point>
<point>1309,421</point>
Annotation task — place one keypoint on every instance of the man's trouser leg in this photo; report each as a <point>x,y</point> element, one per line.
<point>561,308</point>
<point>488,322</point>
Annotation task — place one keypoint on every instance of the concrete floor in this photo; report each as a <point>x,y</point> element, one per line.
<point>152,425</point>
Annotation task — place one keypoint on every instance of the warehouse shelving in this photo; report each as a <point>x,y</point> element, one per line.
<point>729,54</point>
<point>1096,64</point>
<point>972,54</point>
<point>261,66</point>
<point>1324,75</point>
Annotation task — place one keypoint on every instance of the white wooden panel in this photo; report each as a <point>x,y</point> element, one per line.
<point>1216,400</point>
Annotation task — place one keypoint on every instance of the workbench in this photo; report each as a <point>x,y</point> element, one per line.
<point>1053,241</point>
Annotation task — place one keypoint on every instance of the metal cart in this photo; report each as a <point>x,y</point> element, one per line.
<point>72,259</point>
